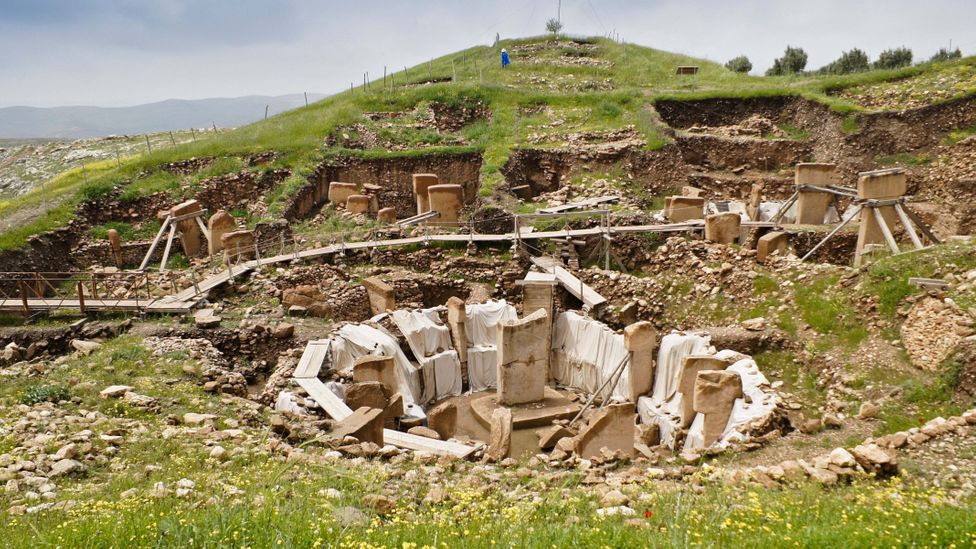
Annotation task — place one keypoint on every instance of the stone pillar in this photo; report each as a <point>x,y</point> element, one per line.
<point>382,296</point>
<point>755,199</point>
<point>357,204</point>
<point>366,424</point>
<point>237,243</point>
<point>422,182</point>
<point>523,359</point>
<point>690,366</point>
<point>219,224</point>
<point>715,394</point>
<point>640,338</point>
<point>537,294</point>
<point>447,200</point>
<point>190,235</point>
<point>386,215</point>
<point>457,315</point>
<point>443,419</point>
<point>811,206</point>
<point>684,208</point>
<point>379,368</point>
<point>878,185</point>
<point>116,244</point>
<point>612,428</point>
<point>500,440</point>
<point>774,241</point>
<point>722,228</point>
<point>340,192</point>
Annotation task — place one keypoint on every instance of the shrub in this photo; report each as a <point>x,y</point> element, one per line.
<point>945,55</point>
<point>96,189</point>
<point>739,64</point>
<point>44,393</point>
<point>794,60</point>
<point>894,59</point>
<point>554,25</point>
<point>849,61</point>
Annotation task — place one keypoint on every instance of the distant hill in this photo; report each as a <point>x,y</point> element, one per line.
<point>172,114</point>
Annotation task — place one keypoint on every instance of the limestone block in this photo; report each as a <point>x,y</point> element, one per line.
<point>523,359</point>
<point>537,295</point>
<point>880,184</point>
<point>500,440</point>
<point>811,206</point>
<point>755,199</point>
<point>386,215</point>
<point>456,317</point>
<point>715,393</point>
<point>639,339</point>
<point>722,228</point>
<point>238,245</point>
<point>382,296</point>
<point>549,436</point>
<point>357,204</point>
<point>372,394</point>
<point>379,368</point>
<point>366,424</point>
<point>443,419</point>
<point>190,234</point>
<point>394,408</point>
<point>690,366</point>
<point>447,200</point>
<point>612,428</point>
<point>116,243</point>
<point>340,192</point>
<point>219,224</point>
<point>422,182</point>
<point>774,241</point>
<point>684,208</point>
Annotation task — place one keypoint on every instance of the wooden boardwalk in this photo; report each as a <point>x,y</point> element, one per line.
<point>184,301</point>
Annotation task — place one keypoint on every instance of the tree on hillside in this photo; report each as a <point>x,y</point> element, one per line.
<point>794,60</point>
<point>894,59</point>
<point>946,55</point>
<point>554,25</point>
<point>739,64</point>
<point>849,61</point>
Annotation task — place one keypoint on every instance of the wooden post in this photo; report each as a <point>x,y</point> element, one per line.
<point>214,126</point>
<point>173,139</point>
<point>384,76</point>
<point>169,246</point>
<point>430,69</point>
<point>306,99</point>
<point>38,285</point>
<point>883,225</point>
<point>453,72</point>
<point>81,297</point>
<point>23,297</point>
<point>908,227</point>
<point>266,110</point>
<point>193,134</point>
<point>94,283</point>
<point>152,247</point>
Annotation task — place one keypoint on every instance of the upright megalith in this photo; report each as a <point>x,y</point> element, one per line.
<point>684,208</point>
<point>382,296</point>
<point>365,424</point>
<point>446,200</point>
<point>722,228</point>
<point>218,225</point>
<point>357,204</point>
<point>879,185</point>
<point>386,215</point>
<point>340,192</point>
<point>421,183</point>
<point>116,244</point>
<point>715,394</point>
<point>377,368</point>
<point>523,359</point>
<point>755,200</point>
<point>500,437</point>
<point>190,234</point>
<point>639,339</point>
<point>690,366</point>
<point>238,246</point>
<point>443,419</point>
<point>612,428</point>
<point>811,204</point>
<point>457,316</point>
<point>772,242</point>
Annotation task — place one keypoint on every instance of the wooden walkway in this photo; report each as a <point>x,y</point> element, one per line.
<point>590,298</point>
<point>184,301</point>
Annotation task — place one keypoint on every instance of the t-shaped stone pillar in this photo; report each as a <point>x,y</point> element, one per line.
<point>715,394</point>
<point>722,228</point>
<point>447,200</point>
<point>811,206</point>
<point>379,368</point>
<point>382,296</point>
<point>116,244</point>
<point>683,208</point>
<point>188,228</point>
<point>878,185</point>
<point>219,224</point>
<point>639,339</point>
<point>690,366</point>
<point>523,359</point>
<point>357,204</point>
<point>340,192</point>
<point>421,183</point>
<point>612,428</point>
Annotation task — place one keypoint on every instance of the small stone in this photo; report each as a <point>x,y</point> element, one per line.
<point>114,391</point>
<point>614,498</point>
<point>841,458</point>
<point>218,453</point>
<point>191,418</point>
<point>868,410</point>
<point>422,431</point>
<point>64,467</point>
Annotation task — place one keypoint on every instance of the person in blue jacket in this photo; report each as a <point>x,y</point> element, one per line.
<point>505,61</point>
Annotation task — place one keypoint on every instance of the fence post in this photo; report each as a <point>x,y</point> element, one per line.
<point>81,297</point>
<point>23,297</point>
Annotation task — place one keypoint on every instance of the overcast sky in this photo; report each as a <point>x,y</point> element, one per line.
<point>125,52</point>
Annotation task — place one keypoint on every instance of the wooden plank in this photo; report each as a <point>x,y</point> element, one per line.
<point>581,204</point>
<point>155,242</point>
<point>908,227</point>
<point>312,358</point>
<point>333,405</point>
<point>573,285</point>
<point>883,225</point>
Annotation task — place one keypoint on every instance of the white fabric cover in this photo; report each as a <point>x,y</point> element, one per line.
<point>663,407</point>
<point>430,341</point>
<point>481,331</point>
<point>585,353</point>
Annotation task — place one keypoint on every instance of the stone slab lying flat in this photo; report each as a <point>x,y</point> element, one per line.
<point>533,414</point>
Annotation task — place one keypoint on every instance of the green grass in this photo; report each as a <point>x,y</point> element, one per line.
<point>850,124</point>
<point>959,134</point>
<point>829,311</point>
<point>904,159</point>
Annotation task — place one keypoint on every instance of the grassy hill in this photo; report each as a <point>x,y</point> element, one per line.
<point>598,83</point>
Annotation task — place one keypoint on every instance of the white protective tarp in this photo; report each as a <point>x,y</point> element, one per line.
<point>754,405</point>
<point>355,340</point>
<point>430,341</point>
<point>585,354</point>
<point>481,331</point>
